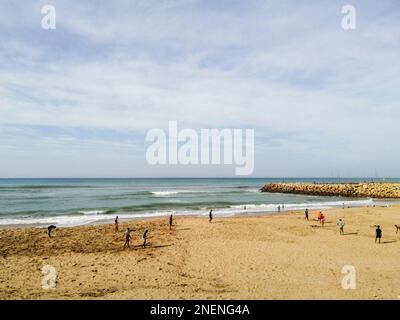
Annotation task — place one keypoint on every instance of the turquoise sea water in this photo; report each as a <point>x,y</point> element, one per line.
<point>70,202</point>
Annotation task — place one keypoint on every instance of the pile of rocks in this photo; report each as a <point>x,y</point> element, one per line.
<point>354,190</point>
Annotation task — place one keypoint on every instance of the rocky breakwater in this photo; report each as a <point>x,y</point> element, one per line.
<point>354,190</point>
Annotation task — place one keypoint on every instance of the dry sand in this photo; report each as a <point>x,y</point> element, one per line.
<point>259,257</point>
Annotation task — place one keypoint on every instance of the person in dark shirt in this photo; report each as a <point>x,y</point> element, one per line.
<point>306,214</point>
<point>210,216</point>
<point>144,237</point>
<point>50,229</point>
<point>170,221</point>
<point>378,234</point>
<point>116,224</point>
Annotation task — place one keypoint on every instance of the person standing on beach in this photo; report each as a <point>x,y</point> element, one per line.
<point>144,237</point>
<point>210,216</point>
<point>319,215</point>
<point>116,224</point>
<point>306,214</point>
<point>170,222</point>
<point>322,220</point>
<point>341,226</point>
<point>127,237</point>
<point>279,208</point>
<point>378,234</point>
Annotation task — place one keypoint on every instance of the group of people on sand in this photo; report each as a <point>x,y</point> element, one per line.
<point>127,237</point>
<point>340,224</point>
<point>320,217</point>
<point>127,234</point>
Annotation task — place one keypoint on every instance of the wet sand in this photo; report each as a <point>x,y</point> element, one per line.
<point>255,257</point>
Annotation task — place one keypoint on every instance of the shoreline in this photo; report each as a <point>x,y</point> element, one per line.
<point>379,202</point>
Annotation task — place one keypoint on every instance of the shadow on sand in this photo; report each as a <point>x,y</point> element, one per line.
<point>390,241</point>
<point>151,246</point>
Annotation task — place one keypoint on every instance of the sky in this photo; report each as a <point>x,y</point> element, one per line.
<point>78,100</point>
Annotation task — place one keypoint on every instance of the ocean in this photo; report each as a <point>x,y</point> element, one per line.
<point>73,202</point>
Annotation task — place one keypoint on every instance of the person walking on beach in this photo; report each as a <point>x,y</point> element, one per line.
<point>170,222</point>
<point>127,237</point>
<point>210,216</point>
<point>116,224</point>
<point>378,234</point>
<point>144,237</point>
<point>341,226</point>
<point>306,214</point>
<point>279,208</point>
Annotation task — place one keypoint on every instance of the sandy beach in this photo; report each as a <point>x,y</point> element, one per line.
<point>247,257</point>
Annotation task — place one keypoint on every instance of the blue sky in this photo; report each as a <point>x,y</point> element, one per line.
<point>77,101</point>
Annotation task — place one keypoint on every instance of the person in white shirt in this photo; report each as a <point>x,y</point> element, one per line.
<point>341,226</point>
<point>127,237</point>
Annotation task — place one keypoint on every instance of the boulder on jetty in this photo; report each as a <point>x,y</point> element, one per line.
<point>353,190</point>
